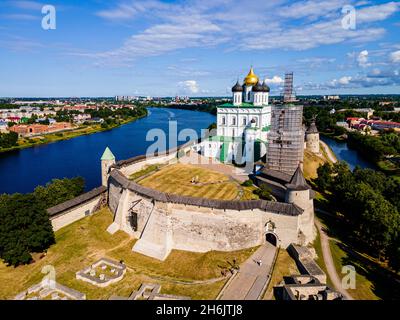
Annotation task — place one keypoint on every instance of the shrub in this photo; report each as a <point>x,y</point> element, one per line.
<point>247,183</point>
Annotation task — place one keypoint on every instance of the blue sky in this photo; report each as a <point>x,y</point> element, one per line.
<point>197,47</point>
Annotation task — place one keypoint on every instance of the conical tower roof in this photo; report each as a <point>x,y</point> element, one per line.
<point>312,128</point>
<point>298,182</point>
<point>107,155</point>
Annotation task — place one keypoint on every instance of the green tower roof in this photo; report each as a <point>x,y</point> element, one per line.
<point>107,155</point>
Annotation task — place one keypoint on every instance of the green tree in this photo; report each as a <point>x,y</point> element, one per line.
<point>58,191</point>
<point>324,179</point>
<point>24,222</point>
<point>264,192</point>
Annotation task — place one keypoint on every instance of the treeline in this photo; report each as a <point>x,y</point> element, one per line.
<point>388,116</point>
<point>110,116</point>
<point>374,148</point>
<point>25,227</point>
<point>326,121</point>
<point>210,107</point>
<point>122,113</point>
<point>370,204</point>
<point>8,140</point>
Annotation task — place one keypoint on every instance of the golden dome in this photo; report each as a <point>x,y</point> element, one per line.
<point>251,79</point>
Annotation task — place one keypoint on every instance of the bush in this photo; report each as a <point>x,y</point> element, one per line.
<point>264,192</point>
<point>247,183</point>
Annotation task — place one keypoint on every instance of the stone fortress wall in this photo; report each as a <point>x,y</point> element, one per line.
<point>77,208</point>
<point>162,222</point>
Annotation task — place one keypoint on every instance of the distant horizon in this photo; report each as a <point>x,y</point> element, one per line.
<point>194,97</point>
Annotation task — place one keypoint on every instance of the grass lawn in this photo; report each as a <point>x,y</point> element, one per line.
<point>284,266</point>
<point>147,170</point>
<point>177,179</point>
<point>84,242</point>
<point>311,164</point>
<point>372,280</point>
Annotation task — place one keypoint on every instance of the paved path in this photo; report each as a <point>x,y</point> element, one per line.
<point>330,266</point>
<point>251,279</point>
<point>328,151</point>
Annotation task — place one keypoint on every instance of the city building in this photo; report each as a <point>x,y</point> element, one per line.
<point>362,124</point>
<point>37,129</point>
<point>331,98</point>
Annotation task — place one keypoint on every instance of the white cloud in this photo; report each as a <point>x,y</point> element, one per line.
<point>190,86</point>
<point>395,56</point>
<point>274,80</point>
<point>362,59</point>
<point>28,5</point>
<point>209,23</point>
<point>377,13</point>
<point>344,80</point>
<point>130,9</point>
<point>311,9</point>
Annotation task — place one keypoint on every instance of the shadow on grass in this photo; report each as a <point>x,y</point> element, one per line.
<point>386,285</point>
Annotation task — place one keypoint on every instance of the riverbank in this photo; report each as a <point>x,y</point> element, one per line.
<point>354,157</point>
<point>28,142</point>
<point>21,171</point>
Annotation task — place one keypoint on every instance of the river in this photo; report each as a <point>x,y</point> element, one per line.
<point>23,170</point>
<point>342,152</point>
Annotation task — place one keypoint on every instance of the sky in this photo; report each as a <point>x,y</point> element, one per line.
<point>197,47</point>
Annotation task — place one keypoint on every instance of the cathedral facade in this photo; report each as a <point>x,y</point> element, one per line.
<point>243,124</point>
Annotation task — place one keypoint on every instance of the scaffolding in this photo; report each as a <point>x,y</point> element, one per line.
<point>288,92</point>
<point>286,138</point>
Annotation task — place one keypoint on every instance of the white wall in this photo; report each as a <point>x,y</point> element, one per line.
<point>74,214</point>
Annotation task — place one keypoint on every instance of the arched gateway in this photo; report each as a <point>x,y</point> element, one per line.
<point>271,238</point>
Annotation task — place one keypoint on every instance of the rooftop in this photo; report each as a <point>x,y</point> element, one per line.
<point>107,155</point>
<point>242,105</point>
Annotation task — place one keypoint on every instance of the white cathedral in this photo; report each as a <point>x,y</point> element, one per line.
<point>243,125</point>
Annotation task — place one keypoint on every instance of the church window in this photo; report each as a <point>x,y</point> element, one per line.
<point>223,121</point>
<point>248,96</point>
<point>244,121</point>
<point>234,121</point>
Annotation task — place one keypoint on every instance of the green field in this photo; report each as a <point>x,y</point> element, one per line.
<point>284,266</point>
<point>373,280</point>
<point>84,242</point>
<point>177,179</point>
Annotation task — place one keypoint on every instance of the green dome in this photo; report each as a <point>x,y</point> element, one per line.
<point>107,155</point>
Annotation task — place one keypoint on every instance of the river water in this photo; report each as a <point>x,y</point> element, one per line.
<point>342,152</point>
<point>23,170</point>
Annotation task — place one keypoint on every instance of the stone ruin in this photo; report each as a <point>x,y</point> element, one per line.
<point>50,291</point>
<point>102,273</point>
<point>150,291</point>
